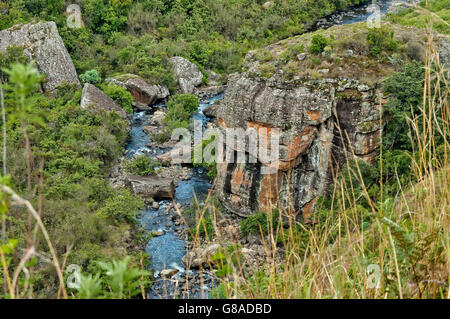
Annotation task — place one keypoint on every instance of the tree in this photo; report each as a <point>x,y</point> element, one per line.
<point>4,149</point>
<point>24,80</point>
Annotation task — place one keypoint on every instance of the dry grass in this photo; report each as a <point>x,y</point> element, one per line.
<point>408,237</point>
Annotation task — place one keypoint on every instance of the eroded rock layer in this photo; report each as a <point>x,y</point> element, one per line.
<point>308,115</point>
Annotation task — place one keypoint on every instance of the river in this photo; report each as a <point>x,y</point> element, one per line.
<point>166,251</point>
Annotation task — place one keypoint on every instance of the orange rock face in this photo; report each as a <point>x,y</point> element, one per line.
<point>314,115</point>
<point>301,143</point>
<point>309,209</point>
<point>310,116</point>
<point>269,192</point>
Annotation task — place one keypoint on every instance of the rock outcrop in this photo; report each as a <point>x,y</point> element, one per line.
<point>145,94</point>
<point>168,158</point>
<point>186,73</point>
<point>211,110</point>
<point>151,186</point>
<point>323,119</point>
<point>94,98</point>
<point>42,43</point>
<point>311,118</point>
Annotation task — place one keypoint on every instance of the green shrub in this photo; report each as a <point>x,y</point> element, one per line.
<point>120,95</point>
<point>180,110</point>
<point>91,76</point>
<point>318,44</point>
<point>405,89</point>
<point>141,165</point>
<point>123,206</point>
<point>379,40</point>
<point>258,222</point>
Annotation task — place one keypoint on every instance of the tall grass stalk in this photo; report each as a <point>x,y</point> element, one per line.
<point>408,236</point>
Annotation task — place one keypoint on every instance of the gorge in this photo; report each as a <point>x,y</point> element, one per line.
<point>96,127</point>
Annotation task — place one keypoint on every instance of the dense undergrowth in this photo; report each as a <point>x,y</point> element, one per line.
<point>394,215</point>
<point>58,158</point>
<point>137,36</point>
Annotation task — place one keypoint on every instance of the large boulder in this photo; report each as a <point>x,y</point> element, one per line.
<point>42,43</point>
<point>174,156</point>
<point>187,74</point>
<point>211,110</point>
<point>145,94</point>
<point>95,99</point>
<point>151,186</point>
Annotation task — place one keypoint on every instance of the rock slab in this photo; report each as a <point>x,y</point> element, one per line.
<point>186,73</point>
<point>94,98</point>
<point>43,44</point>
<point>151,186</point>
<point>145,94</point>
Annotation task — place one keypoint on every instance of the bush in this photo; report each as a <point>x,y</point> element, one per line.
<point>141,165</point>
<point>122,207</point>
<point>318,44</point>
<point>379,40</point>
<point>181,108</point>
<point>258,222</point>
<point>405,89</point>
<point>121,96</point>
<point>91,76</point>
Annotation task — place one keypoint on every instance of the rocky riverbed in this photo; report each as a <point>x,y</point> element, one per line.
<point>180,269</point>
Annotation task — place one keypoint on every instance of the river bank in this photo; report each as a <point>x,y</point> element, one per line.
<point>163,218</point>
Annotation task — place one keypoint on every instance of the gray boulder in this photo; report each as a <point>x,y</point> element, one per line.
<point>169,158</point>
<point>145,94</point>
<point>151,186</point>
<point>211,110</point>
<point>94,98</point>
<point>42,43</point>
<point>187,74</point>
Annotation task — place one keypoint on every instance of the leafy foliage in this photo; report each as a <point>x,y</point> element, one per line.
<point>379,40</point>
<point>141,165</point>
<point>76,148</point>
<point>318,43</point>
<point>405,89</point>
<point>180,110</point>
<point>122,207</point>
<point>91,76</point>
<point>120,95</point>
<point>259,222</point>
<point>117,281</point>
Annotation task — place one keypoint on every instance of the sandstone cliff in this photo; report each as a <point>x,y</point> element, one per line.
<point>326,106</point>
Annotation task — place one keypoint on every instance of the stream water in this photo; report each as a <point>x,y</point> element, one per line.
<point>166,251</point>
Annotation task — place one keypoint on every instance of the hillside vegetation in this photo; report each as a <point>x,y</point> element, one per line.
<point>58,208</point>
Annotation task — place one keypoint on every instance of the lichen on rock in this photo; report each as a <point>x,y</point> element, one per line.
<point>43,44</point>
